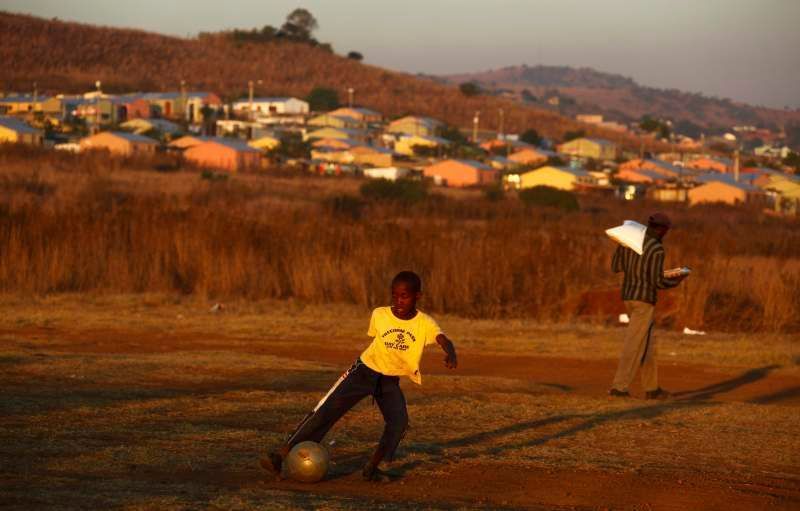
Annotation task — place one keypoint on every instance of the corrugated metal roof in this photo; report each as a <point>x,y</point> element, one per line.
<point>476,164</point>
<point>745,180</point>
<point>18,125</point>
<point>133,137</point>
<point>239,145</point>
<point>21,98</point>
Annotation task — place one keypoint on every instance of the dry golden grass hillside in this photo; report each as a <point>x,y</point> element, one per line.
<point>70,57</point>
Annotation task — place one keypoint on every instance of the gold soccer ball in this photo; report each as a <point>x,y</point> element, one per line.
<point>307,462</point>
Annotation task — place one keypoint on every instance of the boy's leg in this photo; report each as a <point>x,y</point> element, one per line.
<point>392,404</point>
<point>641,317</point>
<point>351,388</point>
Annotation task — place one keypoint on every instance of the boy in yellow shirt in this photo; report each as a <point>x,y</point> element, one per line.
<point>400,334</point>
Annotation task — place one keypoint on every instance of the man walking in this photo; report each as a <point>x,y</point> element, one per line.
<point>644,276</point>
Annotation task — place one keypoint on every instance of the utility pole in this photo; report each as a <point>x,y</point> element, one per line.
<point>475,121</point>
<point>350,92</point>
<point>500,129</point>
<point>97,106</point>
<point>35,93</point>
<point>736,163</point>
<point>250,102</point>
<point>183,100</point>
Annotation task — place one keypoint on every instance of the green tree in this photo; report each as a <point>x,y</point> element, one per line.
<point>469,89</point>
<point>573,134</point>
<point>354,55</point>
<point>452,134</point>
<point>299,25</point>
<point>530,136</point>
<point>323,99</point>
<point>528,96</point>
<point>292,146</point>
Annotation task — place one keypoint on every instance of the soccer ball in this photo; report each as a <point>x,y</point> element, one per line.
<point>307,462</point>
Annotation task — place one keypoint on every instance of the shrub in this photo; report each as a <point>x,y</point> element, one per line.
<point>494,193</point>
<point>346,206</point>
<point>547,196</point>
<point>405,191</point>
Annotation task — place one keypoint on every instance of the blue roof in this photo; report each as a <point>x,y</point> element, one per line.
<point>154,96</point>
<point>21,98</point>
<point>476,164</point>
<point>574,172</point>
<point>18,125</point>
<point>666,165</point>
<point>745,179</point>
<point>233,143</point>
<point>133,137</point>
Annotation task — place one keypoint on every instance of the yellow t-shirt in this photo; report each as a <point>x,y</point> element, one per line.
<point>397,344</point>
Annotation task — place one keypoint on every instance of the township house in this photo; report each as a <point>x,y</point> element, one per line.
<point>334,143</point>
<point>717,164</point>
<point>120,143</point>
<point>649,171</point>
<point>356,154</point>
<point>359,114</point>
<point>187,141</point>
<point>341,133</point>
<point>266,142</point>
<point>13,130</point>
<point>407,144</point>
<point>596,148</point>
<point>141,126</point>
<point>223,153</point>
<point>530,156</point>
<point>459,173</point>
<point>334,121</point>
<point>171,104</point>
<point>414,125</point>
<point>563,178</point>
<point>273,106</point>
<point>18,104</point>
<point>725,191</point>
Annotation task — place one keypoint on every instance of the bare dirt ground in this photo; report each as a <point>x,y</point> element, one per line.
<point>153,403</point>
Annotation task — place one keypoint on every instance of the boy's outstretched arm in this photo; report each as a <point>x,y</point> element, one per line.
<point>450,360</point>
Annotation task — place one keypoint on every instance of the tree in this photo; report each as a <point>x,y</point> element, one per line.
<point>323,99</point>
<point>530,136</point>
<point>452,134</point>
<point>528,96</point>
<point>572,135</point>
<point>469,89</point>
<point>292,146</point>
<point>355,56</point>
<point>299,25</point>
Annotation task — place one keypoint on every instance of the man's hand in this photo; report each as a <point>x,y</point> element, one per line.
<point>450,359</point>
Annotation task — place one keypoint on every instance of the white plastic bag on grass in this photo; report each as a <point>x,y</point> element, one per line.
<point>630,234</point>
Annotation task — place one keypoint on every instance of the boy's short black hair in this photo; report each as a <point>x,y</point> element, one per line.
<point>409,278</point>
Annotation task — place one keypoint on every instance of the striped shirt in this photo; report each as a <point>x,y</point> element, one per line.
<point>644,274</point>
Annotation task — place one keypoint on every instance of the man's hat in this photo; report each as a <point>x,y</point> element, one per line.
<point>659,219</point>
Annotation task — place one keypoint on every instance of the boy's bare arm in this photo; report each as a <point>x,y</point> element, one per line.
<point>450,360</point>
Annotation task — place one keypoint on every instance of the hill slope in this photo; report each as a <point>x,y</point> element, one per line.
<point>70,57</point>
<point>622,99</point>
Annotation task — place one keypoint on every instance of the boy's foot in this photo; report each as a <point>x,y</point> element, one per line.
<point>659,393</point>
<point>372,473</point>
<point>273,462</point>
<point>618,393</point>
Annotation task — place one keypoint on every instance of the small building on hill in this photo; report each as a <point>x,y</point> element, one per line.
<point>531,156</point>
<point>268,106</point>
<point>408,145</point>
<point>390,173</point>
<point>595,148</point>
<point>563,178</point>
<point>414,125</point>
<point>188,141</point>
<point>717,164</point>
<point>120,143</point>
<point>334,121</point>
<point>16,131</point>
<point>725,192</point>
<point>459,173</point>
<point>266,142</point>
<point>359,114</point>
<point>225,154</point>
<point>18,104</point>
<point>141,126</point>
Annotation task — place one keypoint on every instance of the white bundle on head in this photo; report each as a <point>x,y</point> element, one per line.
<point>630,234</point>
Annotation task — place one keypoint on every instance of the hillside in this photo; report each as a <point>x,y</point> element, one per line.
<point>70,57</point>
<point>622,99</point>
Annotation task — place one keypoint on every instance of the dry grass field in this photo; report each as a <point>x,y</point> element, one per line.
<point>121,389</point>
<point>153,402</point>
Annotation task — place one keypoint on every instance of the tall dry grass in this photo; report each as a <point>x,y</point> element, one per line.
<point>69,224</point>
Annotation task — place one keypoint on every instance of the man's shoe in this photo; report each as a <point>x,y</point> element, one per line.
<point>273,462</point>
<point>372,473</point>
<point>618,393</point>
<point>659,393</point>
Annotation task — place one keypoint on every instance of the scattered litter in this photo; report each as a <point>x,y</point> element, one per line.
<point>623,318</point>
<point>217,307</point>
<point>689,331</point>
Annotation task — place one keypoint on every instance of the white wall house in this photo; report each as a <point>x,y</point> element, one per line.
<point>273,106</point>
